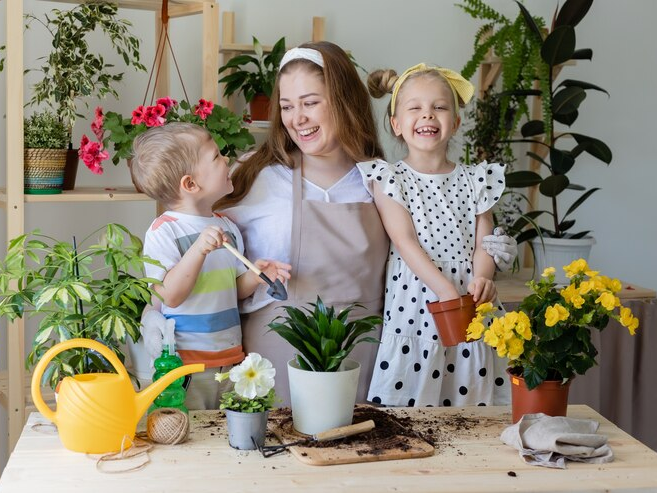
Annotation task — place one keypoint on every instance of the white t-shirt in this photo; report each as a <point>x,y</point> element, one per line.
<point>264,216</point>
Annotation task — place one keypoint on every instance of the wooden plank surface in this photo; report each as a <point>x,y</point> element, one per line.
<point>473,460</point>
<point>513,288</point>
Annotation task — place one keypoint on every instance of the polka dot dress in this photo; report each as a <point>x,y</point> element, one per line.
<point>412,367</point>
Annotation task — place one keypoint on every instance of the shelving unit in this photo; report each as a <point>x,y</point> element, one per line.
<point>14,383</point>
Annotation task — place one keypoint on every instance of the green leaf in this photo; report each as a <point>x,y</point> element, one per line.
<point>519,179</point>
<point>594,147</point>
<point>533,127</point>
<point>567,100</point>
<point>572,12</point>
<point>562,161</point>
<point>531,24</point>
<point>580,201</point>
<point>583,54</point>
<point>582,85</point>
<point>553,185</point>
<point>559,46</point>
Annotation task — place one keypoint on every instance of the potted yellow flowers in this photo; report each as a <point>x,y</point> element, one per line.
<point>548,340</point>
<point>247,406</point>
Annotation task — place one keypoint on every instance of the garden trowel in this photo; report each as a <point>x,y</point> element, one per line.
<point>276,289</point>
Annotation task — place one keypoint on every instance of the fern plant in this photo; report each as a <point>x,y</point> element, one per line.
<point>323,337</point>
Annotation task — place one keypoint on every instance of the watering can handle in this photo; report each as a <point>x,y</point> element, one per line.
<point>37,398</point>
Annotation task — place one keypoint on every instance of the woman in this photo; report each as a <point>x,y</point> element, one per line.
<point>300,198</point>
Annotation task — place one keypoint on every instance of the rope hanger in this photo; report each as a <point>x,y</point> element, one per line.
<point>162,42</point>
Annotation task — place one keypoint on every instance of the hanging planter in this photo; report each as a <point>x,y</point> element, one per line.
<point>451,318</point>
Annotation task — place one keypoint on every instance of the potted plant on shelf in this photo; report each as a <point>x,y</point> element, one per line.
<point>95,291</point>
<point>72,73</point>
<point>225,127</point>
<point>548,340</point>
<point>44,155</point>
<point>324,338</point>
<point>248,405</point>
<point>256,85</point>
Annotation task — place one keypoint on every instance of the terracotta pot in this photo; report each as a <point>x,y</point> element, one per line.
<point>259,107</point>
<point>452,318</point>
<point>550,397</point>
<point>70,169</point>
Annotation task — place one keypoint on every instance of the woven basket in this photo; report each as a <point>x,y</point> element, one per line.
<point>44,170</point>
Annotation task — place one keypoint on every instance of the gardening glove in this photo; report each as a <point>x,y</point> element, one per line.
<point>549,441</point>
<point>153,324</point>
<point>503,248</point>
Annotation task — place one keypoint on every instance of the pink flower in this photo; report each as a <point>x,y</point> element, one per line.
<point>138,115</point>
<point>93,154</point>
<point>167,102</point>
<point>97,124</point>
<point>154,116</point>
<point>203,108</point>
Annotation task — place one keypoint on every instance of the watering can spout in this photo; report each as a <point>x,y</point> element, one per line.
<point>144,398</point>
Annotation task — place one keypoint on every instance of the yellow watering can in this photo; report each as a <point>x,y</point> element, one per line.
<point>95,411</point>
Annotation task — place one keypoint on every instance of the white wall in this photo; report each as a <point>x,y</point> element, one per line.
<point>389,33</point>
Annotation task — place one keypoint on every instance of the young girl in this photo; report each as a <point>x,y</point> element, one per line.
<point>436,213</point>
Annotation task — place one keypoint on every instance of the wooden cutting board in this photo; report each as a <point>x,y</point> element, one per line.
<point>377,445</point>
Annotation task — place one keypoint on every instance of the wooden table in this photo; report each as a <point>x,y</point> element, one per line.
<point>474,460</point>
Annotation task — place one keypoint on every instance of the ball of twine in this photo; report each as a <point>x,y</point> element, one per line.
<point>168,425</point>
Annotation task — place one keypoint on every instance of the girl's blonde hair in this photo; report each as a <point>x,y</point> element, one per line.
<point>350,111</point>
<point>161,156</point>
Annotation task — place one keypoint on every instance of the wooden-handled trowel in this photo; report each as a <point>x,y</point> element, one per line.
<point>276,289</point>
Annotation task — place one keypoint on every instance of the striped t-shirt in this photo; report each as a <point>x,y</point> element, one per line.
<point>207,323</point>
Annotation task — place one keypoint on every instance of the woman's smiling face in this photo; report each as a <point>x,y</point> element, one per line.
<point>305,112</point>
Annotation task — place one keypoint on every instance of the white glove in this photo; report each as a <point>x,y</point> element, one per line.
<point>153,324</point>
<point>503,248</point>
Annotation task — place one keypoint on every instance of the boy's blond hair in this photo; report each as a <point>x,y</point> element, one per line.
<point>161,156</point>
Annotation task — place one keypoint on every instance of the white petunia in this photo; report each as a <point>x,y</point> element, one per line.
<point>254,377</point>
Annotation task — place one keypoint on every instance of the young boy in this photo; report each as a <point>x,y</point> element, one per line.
<point>179,165</point>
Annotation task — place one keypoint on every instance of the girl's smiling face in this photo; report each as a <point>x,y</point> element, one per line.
<point>305,112</point>
<point>425,116</point>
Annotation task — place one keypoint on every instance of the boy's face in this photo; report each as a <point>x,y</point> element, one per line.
<point>211,172</point>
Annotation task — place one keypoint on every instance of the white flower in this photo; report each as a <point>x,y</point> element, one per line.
<point>253,377</point>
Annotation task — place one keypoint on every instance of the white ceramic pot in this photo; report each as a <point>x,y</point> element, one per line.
<point>322,400</point>
<point>244,428</point>
<point>558,252</point>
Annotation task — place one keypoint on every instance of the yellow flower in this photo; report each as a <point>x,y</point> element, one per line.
<point>554,314</point>
<point>572,296</point>
<point>628,320</point>
<point>576,267</point>
<point>485,308</point>
<point>613,285</point>
<point>592,273</point>
<point>516,347</point>
<point>585,287</point>
<point>608,300</point>
<point>548,271</point>
<point>475,330</point>
<point>523,329</point>
<point>501,348</point>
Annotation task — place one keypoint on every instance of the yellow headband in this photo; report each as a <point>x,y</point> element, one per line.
<point>460,86</point>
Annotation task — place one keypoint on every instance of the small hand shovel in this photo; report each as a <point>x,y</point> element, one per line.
<point>332,434</point>
<point>276,289</point>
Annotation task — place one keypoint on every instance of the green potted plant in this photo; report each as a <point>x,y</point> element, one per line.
<point>95,291</point>
<point>73,73</point>
<point>558,244</point>
<point>256,85</point>
<point>324,338</point>
<point>247,405</point>
<point>548,340</point>
<point>112,128</point>
<point>44,155</point>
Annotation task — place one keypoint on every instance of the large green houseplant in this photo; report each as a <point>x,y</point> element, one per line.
<point>72,72</point>
<point>94,290</point>
<point>256,82</point>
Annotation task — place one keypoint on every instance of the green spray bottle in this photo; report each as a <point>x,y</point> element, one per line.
<point>174,395</point>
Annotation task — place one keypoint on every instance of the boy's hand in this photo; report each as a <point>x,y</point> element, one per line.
<point>211,238</point>
<point>273,269</point>
<point>482,290</point>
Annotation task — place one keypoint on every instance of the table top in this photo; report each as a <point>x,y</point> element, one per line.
<point>512,287</point>
<point>472,460</point>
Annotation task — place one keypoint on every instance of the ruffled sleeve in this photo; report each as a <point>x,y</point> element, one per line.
<point>383,173</point>
<point>488,184</point>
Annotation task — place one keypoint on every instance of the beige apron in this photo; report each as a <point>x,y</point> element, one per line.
<point>339,251</point>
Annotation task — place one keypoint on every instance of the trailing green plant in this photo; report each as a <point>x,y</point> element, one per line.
<point>88,292</point>
<point>259,81</point>
<point>323,337</point>
<point>2,58</point>
<point>43,130</point>
<point>557,47</point>
<point>518,52</point>
<point>72,72</point>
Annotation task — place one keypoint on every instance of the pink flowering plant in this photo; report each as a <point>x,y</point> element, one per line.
<point>112,128</point>
<point>549,337</point>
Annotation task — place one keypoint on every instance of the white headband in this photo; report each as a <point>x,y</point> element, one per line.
<point>303,53</point>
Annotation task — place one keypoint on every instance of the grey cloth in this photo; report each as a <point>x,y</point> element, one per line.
<point>549,441</point>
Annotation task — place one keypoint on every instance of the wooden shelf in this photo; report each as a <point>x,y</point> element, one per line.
<point>86,194</point>
<point>47,392</point>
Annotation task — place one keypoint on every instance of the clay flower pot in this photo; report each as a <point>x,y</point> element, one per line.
<point>259,107</point>
<point>550,397</point>
<point>452,318</point>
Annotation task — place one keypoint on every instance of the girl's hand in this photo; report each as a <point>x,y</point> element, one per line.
<point>211,238</point>
<point>273,269</point>
<point>482,290</point>
<point>448,293</point>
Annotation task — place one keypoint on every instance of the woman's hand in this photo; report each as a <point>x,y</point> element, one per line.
<point>482,290</point>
